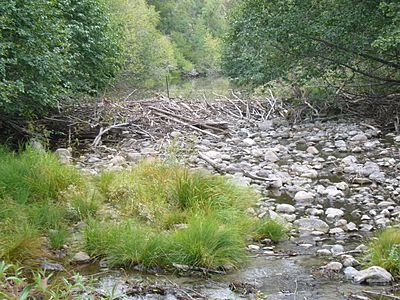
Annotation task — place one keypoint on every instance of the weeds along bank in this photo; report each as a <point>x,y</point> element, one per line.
<point>155,214</point>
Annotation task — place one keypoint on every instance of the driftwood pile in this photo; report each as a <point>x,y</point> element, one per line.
<point>93,124</point>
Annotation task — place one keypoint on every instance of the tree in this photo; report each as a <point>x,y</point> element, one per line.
<point>147,51</point>
<point>195,27</point>
<point>353,43</point>
<point>53,48</point>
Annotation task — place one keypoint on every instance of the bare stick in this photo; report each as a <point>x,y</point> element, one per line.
<point>103,131</point>
<point>186,124</point>
<point>211,163</point>
<point>381,295</point>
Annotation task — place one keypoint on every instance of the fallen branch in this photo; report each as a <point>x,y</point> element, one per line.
<point>186,124</point>
<point>103,131</point>
<point>211,163</point>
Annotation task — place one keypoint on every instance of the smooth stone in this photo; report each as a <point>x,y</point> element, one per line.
<point>81,258</point>
<point>302,196</point>
<point>349,261</point>
<point>334,213</point>
<point>285,208</point>
<point>351,227</point>
<point>312,150</point>
<point>336,249</point>
<point>334,266</point>
<point>271,156</point>
<point>51,266</point>
<point>253,247</point>
<point>249,142</point>
<point>324,252</point>
<point>310,224</point>
<point>64,155</point>
<point>350,273</point>
<point>374,275</point>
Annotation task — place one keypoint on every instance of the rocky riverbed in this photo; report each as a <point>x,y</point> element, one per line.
<point>336,182</point>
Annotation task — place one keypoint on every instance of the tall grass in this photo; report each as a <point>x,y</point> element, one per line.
<point>153,191</point>
<point>32,184</point>
<point>207,243</point>
<point>204,243</point>
<point>270,229</point>
<point>125,244</point>
<point>33,176</point>
<point>385,251</point>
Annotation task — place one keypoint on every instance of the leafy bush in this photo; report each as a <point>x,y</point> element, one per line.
<point>52,48</point>
<point>385,251</point>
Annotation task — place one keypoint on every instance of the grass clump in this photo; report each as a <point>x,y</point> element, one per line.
<point>270,229</point>
<point>125,244</point>
<point>32,197</point>
<point>34,176</point>
<point>151,191</point>
<point>207,243</point>
<point>385,251</point>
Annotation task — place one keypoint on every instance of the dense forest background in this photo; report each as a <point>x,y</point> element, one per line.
<point>56,51</point>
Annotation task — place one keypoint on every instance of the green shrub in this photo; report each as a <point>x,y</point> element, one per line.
<point>270,229</point>
<point>385,251</point>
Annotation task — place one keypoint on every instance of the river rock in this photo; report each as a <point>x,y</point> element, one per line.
<point>323,252</point>
<point>361,137</point>
<point>249,142</point>
<point>373,275</point>
<point>349,261</point>
<point>271,156</point>
<point>302,196</point>
<point>334,213</point>
<point>336,249</point>
<point>351,227</point>
<point>369,168</point>
<point>48,266</point>
<point>350,273</point>
<point>333,266</point>
<point>213,154</point>
<point>285,208</point>
<point>64,155</point>
<point>310,224</point>
<point>312,150</point>
<point>81,258</point>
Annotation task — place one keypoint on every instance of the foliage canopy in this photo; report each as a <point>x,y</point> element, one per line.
<point>342,41</point>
